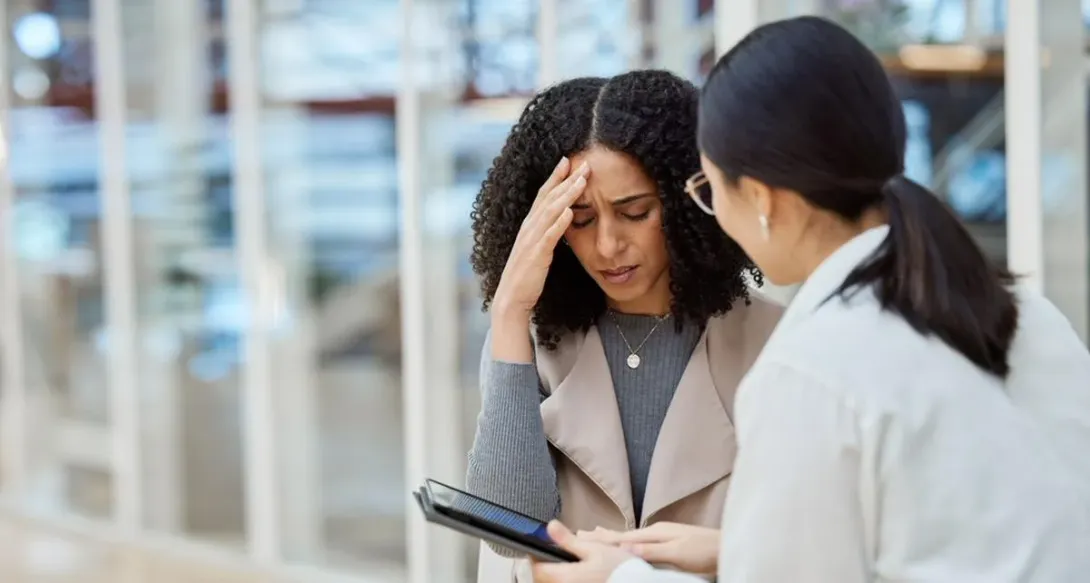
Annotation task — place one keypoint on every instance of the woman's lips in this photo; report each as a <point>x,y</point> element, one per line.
<point>620,275</point>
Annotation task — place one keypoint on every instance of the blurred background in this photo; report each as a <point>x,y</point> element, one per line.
<point>236,311</point>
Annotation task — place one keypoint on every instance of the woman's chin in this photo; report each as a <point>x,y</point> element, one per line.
<point>636,301</point>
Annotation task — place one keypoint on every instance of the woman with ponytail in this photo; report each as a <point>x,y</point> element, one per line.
<point>917,414</point>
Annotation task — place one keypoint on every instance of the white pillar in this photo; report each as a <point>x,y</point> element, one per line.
<point>263,488</point>
<point>13,381</point>
<point>446,437</point>
<point>297,382</point>
<point>1047,219</point>
<point>1025,250</point>
<point>420,540</point>
<point>177,42</point>
<point>429,310</point>
<point>548,33</point>
<point>640,31</point>
<point>118,265</point>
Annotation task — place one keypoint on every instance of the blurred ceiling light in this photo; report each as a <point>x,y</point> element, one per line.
<point>30,83</point>
<point>38,35</point>
<point>943,57</point>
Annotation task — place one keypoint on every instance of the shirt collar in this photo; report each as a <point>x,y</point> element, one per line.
<point>832,272</point>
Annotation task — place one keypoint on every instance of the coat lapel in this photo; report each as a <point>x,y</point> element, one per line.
<point>582,421</point>
<point>696,445</point>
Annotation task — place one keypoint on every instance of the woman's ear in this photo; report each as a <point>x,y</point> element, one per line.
<point>758,194</point>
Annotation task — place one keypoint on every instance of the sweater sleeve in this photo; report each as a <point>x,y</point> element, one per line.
<point>510,462</point>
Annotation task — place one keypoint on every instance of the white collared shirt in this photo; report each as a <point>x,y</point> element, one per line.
<point>869,453</point>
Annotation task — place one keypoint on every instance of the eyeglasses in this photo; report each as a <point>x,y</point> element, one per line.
<point>700,190</point>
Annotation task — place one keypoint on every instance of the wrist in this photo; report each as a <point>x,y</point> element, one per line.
<point>511,336</point>
<point>506,314</point>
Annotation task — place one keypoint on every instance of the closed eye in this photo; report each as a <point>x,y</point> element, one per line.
<point>581,223</point>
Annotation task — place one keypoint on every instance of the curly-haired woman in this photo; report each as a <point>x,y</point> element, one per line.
<point>621,317</point>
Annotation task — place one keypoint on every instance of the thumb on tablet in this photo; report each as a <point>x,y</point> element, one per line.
<point>567,540</point>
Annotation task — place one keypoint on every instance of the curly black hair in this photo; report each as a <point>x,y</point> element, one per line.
<point>650,115</point>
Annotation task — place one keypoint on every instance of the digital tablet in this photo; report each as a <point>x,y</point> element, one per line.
<point>488,521</point>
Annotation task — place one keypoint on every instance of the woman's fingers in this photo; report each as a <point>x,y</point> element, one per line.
<point>582,171</point>
<point>566,540</point>
<point>560,172</point>
<point>656,533</point>
<point>661,553</point>
<point>601,535</point>
<point>545,207</point>
<point>543,228</point>
<point>642,536</point>
<point>565,198</point>
<point>568,191</point>
<point>556,230</point>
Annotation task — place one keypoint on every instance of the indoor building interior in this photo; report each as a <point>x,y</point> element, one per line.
<point>237,317</point>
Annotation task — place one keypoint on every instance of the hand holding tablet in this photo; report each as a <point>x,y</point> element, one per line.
<point>488,521</point>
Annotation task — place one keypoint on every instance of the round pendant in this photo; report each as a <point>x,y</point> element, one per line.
<point>633,360</point>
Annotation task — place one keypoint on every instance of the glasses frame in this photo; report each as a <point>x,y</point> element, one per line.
<point>692,184</point>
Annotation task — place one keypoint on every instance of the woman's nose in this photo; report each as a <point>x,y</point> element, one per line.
<point>609,241</point>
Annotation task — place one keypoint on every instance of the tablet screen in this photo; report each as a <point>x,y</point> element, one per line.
<point>481,509</point>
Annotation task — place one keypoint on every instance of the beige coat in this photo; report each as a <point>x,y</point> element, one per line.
<point>691,465</point>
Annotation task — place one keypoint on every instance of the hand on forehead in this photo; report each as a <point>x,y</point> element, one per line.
<point>614,176</point>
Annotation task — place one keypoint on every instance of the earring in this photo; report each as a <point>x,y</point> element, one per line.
<point>764,226</point>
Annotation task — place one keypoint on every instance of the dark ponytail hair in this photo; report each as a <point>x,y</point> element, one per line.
<point>802,104</point>
<point>931,272</point>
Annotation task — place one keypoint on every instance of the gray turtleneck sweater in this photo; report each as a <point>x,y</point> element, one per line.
<point>510,462</point>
